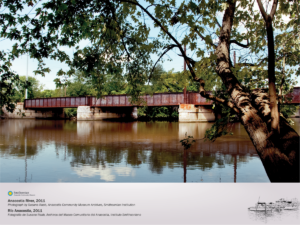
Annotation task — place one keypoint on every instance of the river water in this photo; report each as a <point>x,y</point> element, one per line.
<point>103,151</point>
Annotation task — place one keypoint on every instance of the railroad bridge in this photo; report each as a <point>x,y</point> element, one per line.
<point>192,106</point>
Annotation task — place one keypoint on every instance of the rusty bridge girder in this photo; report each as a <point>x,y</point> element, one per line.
<point>158,99</point>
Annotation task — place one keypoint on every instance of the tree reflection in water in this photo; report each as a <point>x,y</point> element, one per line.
<point>152,146</point>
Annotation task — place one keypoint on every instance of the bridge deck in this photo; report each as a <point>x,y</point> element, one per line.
<point>158,99</point>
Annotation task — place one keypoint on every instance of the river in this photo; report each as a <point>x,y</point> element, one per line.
<point>103,151</point>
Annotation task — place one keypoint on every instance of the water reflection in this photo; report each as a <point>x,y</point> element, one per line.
<point>87,151</point>
<point>105,174</point>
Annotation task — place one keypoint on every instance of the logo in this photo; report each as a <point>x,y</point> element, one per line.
<point>10,193</point>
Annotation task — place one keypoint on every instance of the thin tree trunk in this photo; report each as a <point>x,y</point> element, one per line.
<point>280,93</point>
<point>272,80</point>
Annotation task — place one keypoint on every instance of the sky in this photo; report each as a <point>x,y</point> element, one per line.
<point>20,66</point>
<point>23,63</point>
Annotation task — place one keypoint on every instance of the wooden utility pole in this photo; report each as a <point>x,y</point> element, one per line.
<point>184,62</point>
<point>234,58</point>
<point>26,91</point>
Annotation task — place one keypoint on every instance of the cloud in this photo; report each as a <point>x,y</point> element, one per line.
<point>106,174</point>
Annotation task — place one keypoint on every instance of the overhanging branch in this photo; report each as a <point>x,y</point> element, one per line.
<point>240,44</point>
<point>214,98</point>
<point>262,10</point>
<point>252,64</point>
<point>167,32</point>
<point>168,48</point>
<point>273,10</point>
<point>203,38</point>
<point>217,22</point>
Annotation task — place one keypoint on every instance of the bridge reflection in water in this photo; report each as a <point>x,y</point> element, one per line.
<point>83,151</point>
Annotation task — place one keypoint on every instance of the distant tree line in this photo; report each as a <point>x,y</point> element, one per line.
<point>79,85</point>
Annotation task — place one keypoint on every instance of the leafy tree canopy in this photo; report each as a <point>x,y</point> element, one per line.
<point>34,89</point>
<point>120,44</point>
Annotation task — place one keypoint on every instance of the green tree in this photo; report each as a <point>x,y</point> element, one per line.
<point>58,92</point>
<point>82,85</point>
<point>120,47</point>
<point>113,85</point>
<point>34,89</point>
<point>77,88</point>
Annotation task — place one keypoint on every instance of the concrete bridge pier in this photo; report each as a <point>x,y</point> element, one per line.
<point>21,113</point>
<point>192,113</point>
<point>103,113</point>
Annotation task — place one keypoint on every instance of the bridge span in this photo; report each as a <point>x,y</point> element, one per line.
<point>192,107</point>
<point>158,99</point>
<point>119,106</point>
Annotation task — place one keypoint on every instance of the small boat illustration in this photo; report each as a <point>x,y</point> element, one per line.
<point>281,204</point>
<point>260,206</point>
<point>291,205</point>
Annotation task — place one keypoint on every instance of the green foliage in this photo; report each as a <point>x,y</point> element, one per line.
<point>162,81</point>
<point>114,86</point>
<point>120,47</point>
<point>187,141</point>
<point>225,116</point>
<point>34,89</point>
<point>70,112</point>
<point>58,92</point>
<point>157,112</point>
<point>77,88</point>
<point>287,110</point>
<point>8,82</point>
<point>20,113</point>
<point>219,128</point>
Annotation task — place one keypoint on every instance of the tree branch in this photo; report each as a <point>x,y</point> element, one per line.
<point>262,10</point>
<point>275,130</point>
<point>214,98</point>
<point>113,10</point>
<point>251,64</point>
<point>167,6</point>
<point>280,93</point>
<point>189,60</point>
<point>222,52</point>
<point>167,49</point>
<point>128,54</point>
<point>273,10</point>
<point>240,44</point>
<point>167,32</point>
<point>202,37</point>
<point>287,55</point>
<point>261,102</point>
<point>217,22</point>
